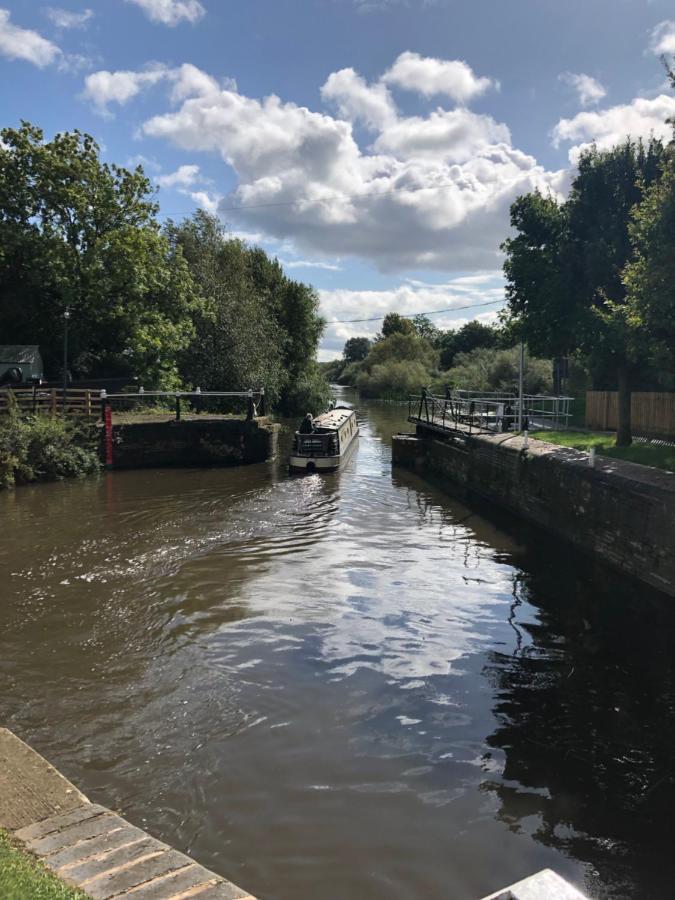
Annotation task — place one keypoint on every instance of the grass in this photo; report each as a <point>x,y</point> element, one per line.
<point>661,457</point>
<point>23,877</point>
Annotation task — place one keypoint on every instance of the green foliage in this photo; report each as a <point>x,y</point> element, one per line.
<point>77,233</point>
<point>44,448</point>
<point>396,366</point>
<point>650,278</point>
<point>23,877</point>
<point>564,267</point>
<point>253,325</point>
<point>426,329</point>
<point>489,369</point>
<point>469,337</point>
<point>394,323</point>
<point>392,379</point>
<point>356,349</point>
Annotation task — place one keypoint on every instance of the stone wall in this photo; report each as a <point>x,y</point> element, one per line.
<point>622,513</point>
<point>193,442</point>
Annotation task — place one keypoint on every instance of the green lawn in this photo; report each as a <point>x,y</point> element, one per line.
<point>23,877</point>
<point>646,454</point>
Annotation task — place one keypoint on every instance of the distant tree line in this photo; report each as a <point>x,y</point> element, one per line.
<point>179,305</point>
<point>410,353</point>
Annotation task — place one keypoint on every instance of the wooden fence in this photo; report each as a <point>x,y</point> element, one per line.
<point>652,414</point>
<point>78,401</point>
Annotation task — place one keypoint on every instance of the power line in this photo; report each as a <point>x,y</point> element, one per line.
<point>430,312</point>
<point>338,197</point>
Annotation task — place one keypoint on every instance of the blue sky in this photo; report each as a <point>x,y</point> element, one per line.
<point>374,146</point>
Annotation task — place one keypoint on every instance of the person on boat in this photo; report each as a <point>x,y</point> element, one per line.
<point>307,425</point>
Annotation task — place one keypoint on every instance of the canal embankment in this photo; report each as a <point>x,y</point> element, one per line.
<point>192,441</point>
<point>621,513</point>
<point>88,846</point>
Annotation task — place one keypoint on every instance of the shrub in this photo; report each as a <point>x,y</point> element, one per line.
<point>41,448</point>
<point>393,380</point>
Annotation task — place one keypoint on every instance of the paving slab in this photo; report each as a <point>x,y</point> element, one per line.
<point>30,788</point>
<point>86,844</point>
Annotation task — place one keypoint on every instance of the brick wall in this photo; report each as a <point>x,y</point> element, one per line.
<point>204,442</point>
<point>622,513</point>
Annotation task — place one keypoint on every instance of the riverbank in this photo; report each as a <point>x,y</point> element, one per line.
<point>22,876</point>
<point>660,456</point>
<point>620,512</point>
<point>88,848</point>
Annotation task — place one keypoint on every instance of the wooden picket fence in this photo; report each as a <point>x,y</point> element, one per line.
<point>652,413</point>
<point>78,401</point>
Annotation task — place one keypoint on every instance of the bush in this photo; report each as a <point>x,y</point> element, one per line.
<point>393,380</point>
<point>41,448</point>
<point>309,393</point>
<point>497,370</point>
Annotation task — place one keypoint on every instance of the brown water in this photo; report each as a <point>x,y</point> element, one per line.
<point>341,686</point>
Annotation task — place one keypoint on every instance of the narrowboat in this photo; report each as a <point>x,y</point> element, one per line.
<point>332,438</point>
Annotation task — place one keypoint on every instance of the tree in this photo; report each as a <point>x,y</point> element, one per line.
<point>564,266</point>
<point>256,327</point>
<point>79,234</point>
<point>237,343</point>
<point>394,323</point>
<point>356,349</point>
<point>426,329</point>
<point>650,278</point>
<point>471,336</point>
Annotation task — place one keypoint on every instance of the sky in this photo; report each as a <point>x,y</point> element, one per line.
<point>373,146</point>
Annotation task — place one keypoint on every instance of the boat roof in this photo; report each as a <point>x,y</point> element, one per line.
<point>333,418</point>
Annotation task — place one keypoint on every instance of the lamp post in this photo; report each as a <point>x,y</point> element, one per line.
<point>66,316</point>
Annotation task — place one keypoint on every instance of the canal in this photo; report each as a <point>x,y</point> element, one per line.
<point>341,686</point>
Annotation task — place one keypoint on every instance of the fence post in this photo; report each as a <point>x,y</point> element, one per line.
<point>250,408</point>
<point>177,407</point>
<point>262,402</point>
<point>103,396</point>
<point>88,403</point>
<point>53,401</point>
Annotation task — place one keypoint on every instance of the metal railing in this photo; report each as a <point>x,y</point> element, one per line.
<point>216,402</point>
<point>488,412</point>
<point>90,403</point>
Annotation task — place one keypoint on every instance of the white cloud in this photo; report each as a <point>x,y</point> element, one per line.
<point>431,192</point>
<point>429,76</point>
<point>663,38</point>
<point>641,118</point>
<point>104,88</point>
<point>22,43</point>
<point>191,82</point>
<point>206,201</point>
<point>588,89</point>
<point>184,176</point>
<point>456,135</point>
<point>64,18</point>
<point>358,101</point>
<point>310,264</point>
<point>171,12</point>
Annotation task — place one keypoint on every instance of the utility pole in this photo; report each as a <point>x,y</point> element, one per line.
<point>66,316</point>
<point>521,371</point>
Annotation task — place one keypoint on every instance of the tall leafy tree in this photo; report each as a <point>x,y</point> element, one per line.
<point>650,278</point>
<point>255,326</point>
<point>356,349</point>
<point>79,234</point>
<point>472,336</point>
<point>564,267</point>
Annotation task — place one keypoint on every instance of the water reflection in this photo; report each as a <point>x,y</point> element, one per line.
<point>348,685</point>
<point>586,710</point>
